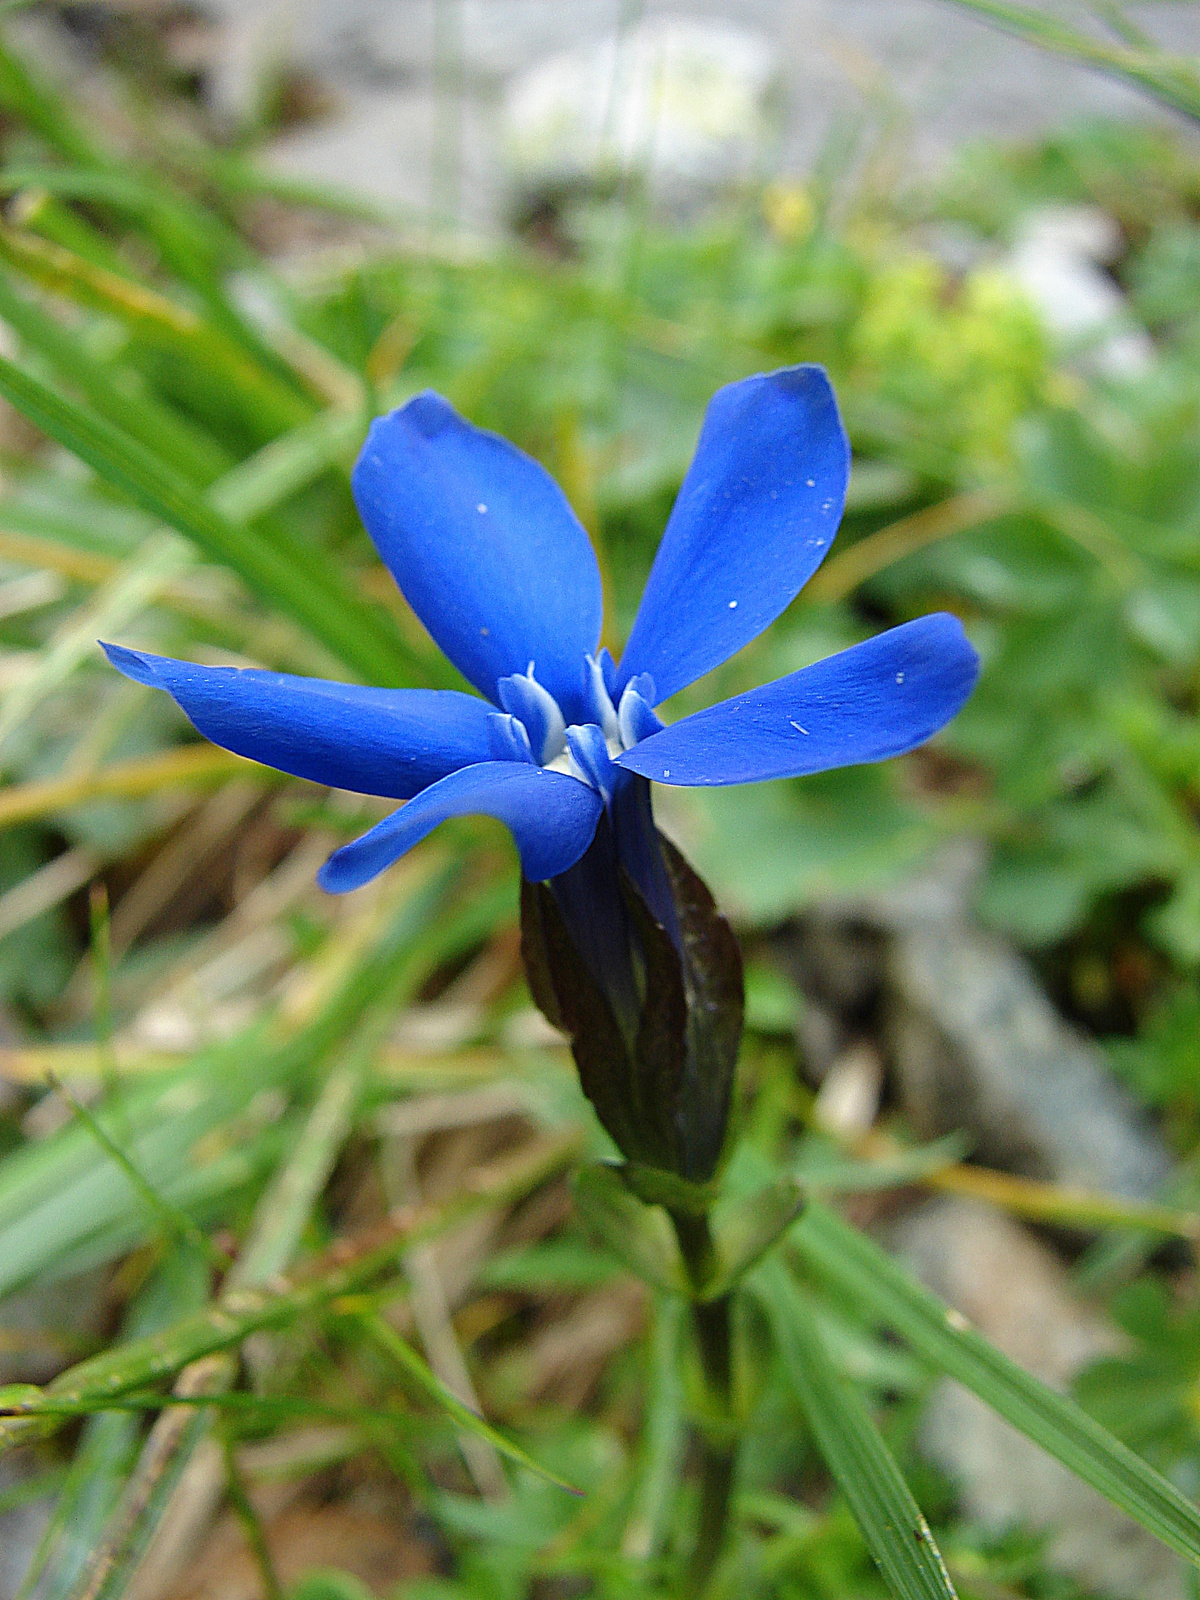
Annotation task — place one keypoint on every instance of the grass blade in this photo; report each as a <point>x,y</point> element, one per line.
<point>1169,78</point>
<point>664,1434</point>
<point>111,610</point>
<point>843,1256</point>
<point>280,1218</point>
<point>895,1531</point>
<point>28,1412</point>
<point>108,1443</point>
<point>263,399</point>
<point>204,765</point>
<point>463,1418</point>
<point>280,571</point>
<point>133,407</point>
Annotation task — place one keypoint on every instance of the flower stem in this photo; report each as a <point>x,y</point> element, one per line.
<point>718,1445</point>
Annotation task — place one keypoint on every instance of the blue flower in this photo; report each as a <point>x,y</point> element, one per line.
<point>498,568</point>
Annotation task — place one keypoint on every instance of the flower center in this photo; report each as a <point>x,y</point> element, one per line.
<point>532,726</point>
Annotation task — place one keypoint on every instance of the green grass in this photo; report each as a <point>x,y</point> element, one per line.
<point>253,1059</point>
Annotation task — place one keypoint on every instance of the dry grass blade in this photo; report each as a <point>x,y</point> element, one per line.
<point>27,1412</point>
<point>201,764</point>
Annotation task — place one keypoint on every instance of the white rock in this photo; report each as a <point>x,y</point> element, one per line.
<point>1058,261</point>
<point>683,102</point>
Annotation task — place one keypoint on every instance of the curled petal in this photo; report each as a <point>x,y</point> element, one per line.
<point>523,697</point>
<point>589,758</point>
<point>636,718</point>
<point>391,742</point>
<point>757,512</point>
<point>484,545</point>
<point>552,818</point>
<point>875,700</point>
<point>510,740</point>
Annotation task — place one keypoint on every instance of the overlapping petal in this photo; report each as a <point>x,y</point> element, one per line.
<point>392,742</point>
<point>552,818</point>
<point>484,546</point>
<point>757,512</point>
<point>877,699</point>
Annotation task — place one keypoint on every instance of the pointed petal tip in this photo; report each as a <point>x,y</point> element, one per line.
<point>135,664</point>
<point>755,516</point>
<point>483,544</point>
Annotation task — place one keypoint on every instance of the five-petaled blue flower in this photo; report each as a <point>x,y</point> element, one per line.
<point>495,564</point>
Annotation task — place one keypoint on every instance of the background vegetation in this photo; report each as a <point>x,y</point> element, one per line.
<point>216,1075</point>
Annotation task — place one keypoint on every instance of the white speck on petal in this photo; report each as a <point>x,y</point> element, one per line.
<point>484,632</point>
<point>797,726</point>
<point>899,677</point>
<point>733,605</point>
<point>666,772</point>
<point>481,508</point>
<point>811,482</point>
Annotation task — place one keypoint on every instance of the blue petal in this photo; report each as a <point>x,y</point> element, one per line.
<point>484,545</point>
<point>758,509</point>
<point>552,818</point>
<point>636,717</point>
<point>875,700</point>
<point>510,739</point>
<point>391,742</point>
<point>589,756</point>
<point>523,697</point>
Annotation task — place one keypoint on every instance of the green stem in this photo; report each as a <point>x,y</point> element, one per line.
<point>718,1446</point>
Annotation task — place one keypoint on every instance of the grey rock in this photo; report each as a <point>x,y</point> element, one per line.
<point>976,1044</point>
<point>940,75</point>
<point>21,1529</point>
<point>1016,1294</point>
<point>973,1041</point>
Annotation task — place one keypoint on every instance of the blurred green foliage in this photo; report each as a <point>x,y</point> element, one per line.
<point>218,396</point>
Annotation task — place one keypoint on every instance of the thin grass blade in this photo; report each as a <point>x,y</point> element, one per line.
<point>282,572</point>
<point>1169,78</point>
<point>892,1524</point>
<point>860,1269</point>
<point>430,1385</point>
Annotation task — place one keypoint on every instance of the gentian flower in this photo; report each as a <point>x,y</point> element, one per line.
<point>561,742</point>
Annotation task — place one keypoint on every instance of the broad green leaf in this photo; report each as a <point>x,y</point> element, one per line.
<point>745,1228</point>
<point>865,1273</point>
<point>892,1524</point>
<point>639,1235</point>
